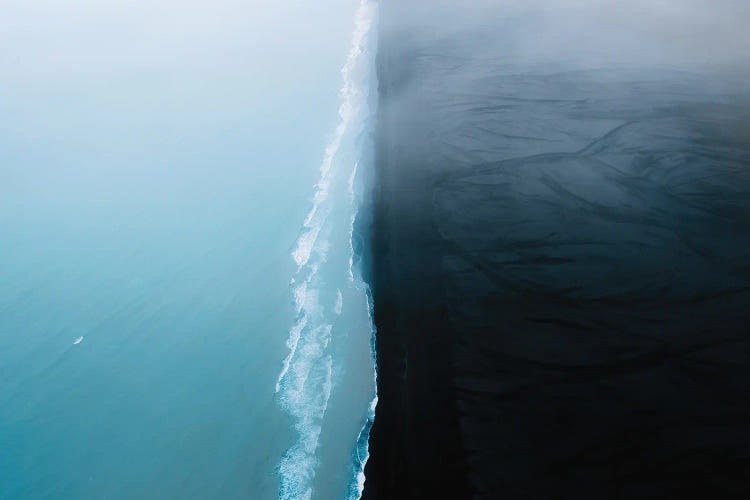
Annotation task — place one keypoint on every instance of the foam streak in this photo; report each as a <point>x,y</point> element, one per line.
<point>305,383</point>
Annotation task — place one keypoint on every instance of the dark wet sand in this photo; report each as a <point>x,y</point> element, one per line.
<point>561,278</point>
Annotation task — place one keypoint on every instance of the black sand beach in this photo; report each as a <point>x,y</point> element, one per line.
<point>561,275</point>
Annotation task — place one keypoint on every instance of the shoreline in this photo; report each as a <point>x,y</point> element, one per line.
<point>408,450</point>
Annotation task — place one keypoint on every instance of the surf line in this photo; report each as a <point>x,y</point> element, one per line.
<point>304,385</point>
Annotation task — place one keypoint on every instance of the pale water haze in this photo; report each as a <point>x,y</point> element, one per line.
<point>158,165</point>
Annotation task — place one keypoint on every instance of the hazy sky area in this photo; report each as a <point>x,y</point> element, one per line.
<point>106,40</point>
<point>686,33</point>
<point>122,85</point>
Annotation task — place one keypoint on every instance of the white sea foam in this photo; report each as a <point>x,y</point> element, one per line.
<point>352,177</point>
<point>306,244</point>
<point>352,220</point>
<point>362,453</point>
<point>291,343</point>
<point>306,380</point>
<point>362,450</point>
<point>350,95</point>
<point>339,303</point>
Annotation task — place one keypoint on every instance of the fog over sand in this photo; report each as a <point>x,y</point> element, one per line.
<point>560,263</point>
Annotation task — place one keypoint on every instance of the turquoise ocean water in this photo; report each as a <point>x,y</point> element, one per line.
<point>169,325</point>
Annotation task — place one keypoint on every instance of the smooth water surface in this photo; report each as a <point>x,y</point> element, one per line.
<point>157,161</point>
